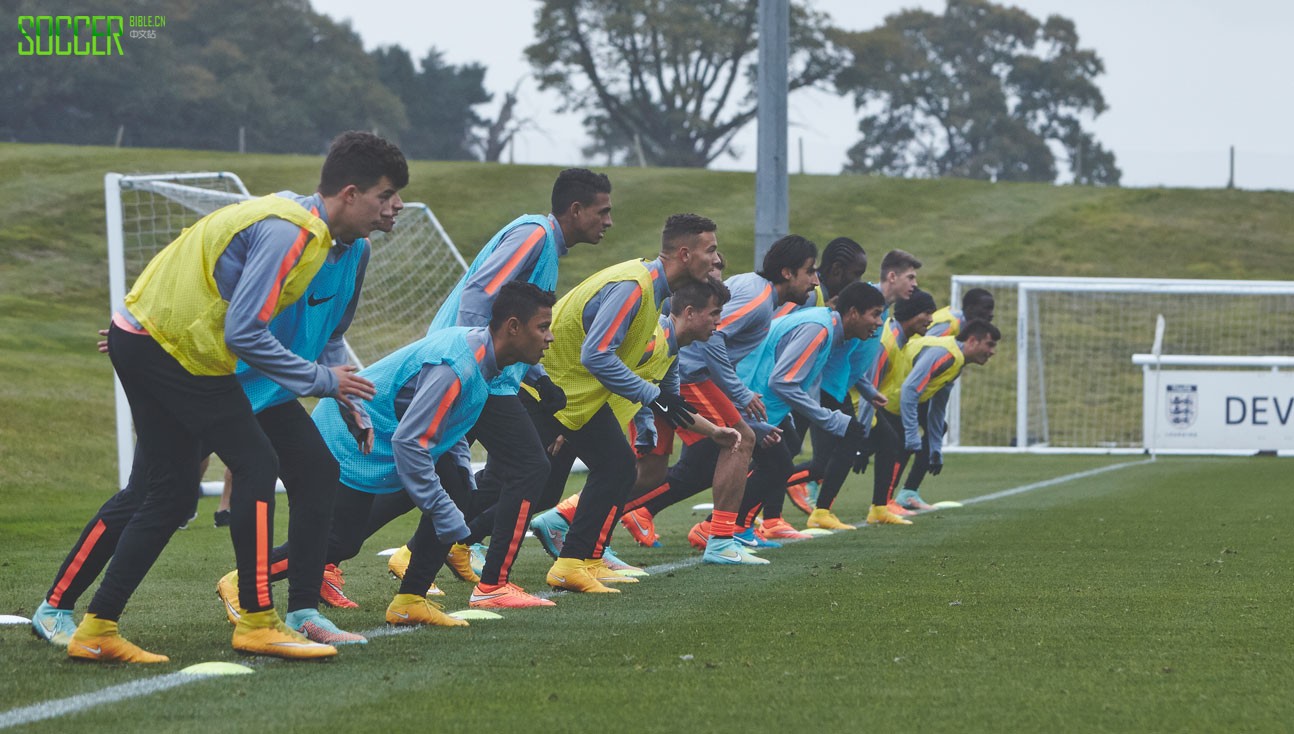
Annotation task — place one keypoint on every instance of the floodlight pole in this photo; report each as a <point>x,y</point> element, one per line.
<point>771,194</point>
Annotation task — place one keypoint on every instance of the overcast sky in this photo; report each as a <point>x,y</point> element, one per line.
<point>1184,80</point>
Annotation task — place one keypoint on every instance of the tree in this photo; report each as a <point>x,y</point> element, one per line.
<point>983,91</point>
<point>675,76</point>
<point>496,134</point>
<point>438,99</point>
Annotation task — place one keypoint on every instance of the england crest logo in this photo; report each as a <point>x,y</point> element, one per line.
<point>1182,406</point>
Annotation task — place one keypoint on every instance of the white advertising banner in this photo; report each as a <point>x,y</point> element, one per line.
<point>1234,410</point>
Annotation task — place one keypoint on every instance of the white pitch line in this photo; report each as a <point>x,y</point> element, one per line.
<point>149,686</point>
<point>85,701</point>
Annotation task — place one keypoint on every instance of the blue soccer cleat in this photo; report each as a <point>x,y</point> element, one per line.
<point>728,552</point>
<point>318,628</point>
<point>550,528</point>
<point>748,539</point>
<point>52,624</point>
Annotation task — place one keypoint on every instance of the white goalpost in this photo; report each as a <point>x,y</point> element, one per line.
<point>411,271</point>
<point>1064,379</point>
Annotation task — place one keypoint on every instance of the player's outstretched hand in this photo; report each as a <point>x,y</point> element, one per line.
<point>880,401</point>
<point>861,459</point>
<point>351,385</point>
<point>674,409</point>
<point>729,438</point>
<point>936,463</point>
<point>555,447</point>
<point>103,343</point>
<point>773,438</point>
<point>755,408</point>
<point>364,438</point>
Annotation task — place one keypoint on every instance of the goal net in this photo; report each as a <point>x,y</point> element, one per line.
<point>1063,378</point>
<point>411,270</point>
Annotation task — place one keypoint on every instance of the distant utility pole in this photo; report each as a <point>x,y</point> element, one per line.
<point>1231,179</point>
<point>772,200</point>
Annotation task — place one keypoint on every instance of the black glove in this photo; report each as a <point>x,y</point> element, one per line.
<point>936,463</point>
<point>674,409</point>
<point>551,397</point>
<point>861,459</point>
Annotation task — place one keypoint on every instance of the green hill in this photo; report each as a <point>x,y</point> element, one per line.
<point>53,275</point>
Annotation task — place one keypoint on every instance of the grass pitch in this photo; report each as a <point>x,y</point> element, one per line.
<point>1153,597</point>
<point>1150,597</point>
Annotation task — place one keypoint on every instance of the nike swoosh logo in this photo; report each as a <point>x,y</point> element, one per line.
<point>316,301</point>
<point>560,579</point>
<point>733,557</point>
<point>93,650</point>
<point>401,615</point>
<point>485,597</point>
<point>48,625</point>
<point>295,644</point>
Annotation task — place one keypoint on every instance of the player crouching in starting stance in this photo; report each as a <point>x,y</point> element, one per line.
<point>429,394</point>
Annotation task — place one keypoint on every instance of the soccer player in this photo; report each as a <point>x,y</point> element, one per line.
<point>786,368</point>
<point>936,362</point>
<point>428,395</point>
<point>977,305</point>
<point>526,249</point>
<point>711,384</point>
<point>602,328</point>
<point>313,329</point>
<point>911,319</point>
<point>695,310</point>
<point>201,304</point>
<point>843,262</point>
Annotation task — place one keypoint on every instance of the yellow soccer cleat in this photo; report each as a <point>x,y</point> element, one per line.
<point>881,515</point>
<point>227,590</point>
<point>398,562</point>
<point>410,609</point>
<point>459,560</point>
<point>827,520</point>
<point>573,574</point>
<point>97,640</point>
<point>263,633</point>
<point>599,570</point>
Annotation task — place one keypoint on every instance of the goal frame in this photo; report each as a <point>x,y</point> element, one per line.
<point>1027,360</point>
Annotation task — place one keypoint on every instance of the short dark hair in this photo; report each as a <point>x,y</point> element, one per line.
<point>860,297</point>
<point>680,226</point>
<point>979,329</point>
<point>896,260</point>
<point>917,303</point>
<point>789,252</point>
<point>520,299</point>
<point>578,184</point>
<point>840,251</point>
<point>361,158</point>
<point>977,301</point>
<point>697,294</point>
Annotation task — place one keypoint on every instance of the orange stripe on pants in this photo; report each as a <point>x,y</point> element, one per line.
<point>77,563</point>
<point>263,555</point>
<point>605,535</point>
<point>514,544</point>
